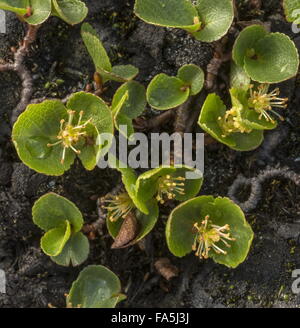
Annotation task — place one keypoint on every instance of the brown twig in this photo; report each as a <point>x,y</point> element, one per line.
<point>215,64</point>
<point>19,67</point>
<point>155,122</point>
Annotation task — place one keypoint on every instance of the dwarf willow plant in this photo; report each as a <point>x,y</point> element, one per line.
<point>36,12</point>
<point>242,126</point>
<point>165,92</point>
<point>206,20</point>
<point>95,287</point>
<point>292,10</point>
<point>119,73</point>
<point>211,227</point>
<point>62,221</point>
<point>266,57</point>
<point>48,136</point>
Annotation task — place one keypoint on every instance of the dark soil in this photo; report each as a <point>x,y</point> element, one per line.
<point>33,280</point>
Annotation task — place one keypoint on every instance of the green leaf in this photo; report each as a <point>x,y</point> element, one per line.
<point>193,76</point>
<point>54,240</point>
<point>212,109</point>
<point>71,11</point>
<point>135,103</point>
<point>276,59</point>
<point>123,73</point>
<point>216,17</point>
<point>95,287</point>
<point>75,251</point>
<point>165,92</point>
<point>36,127</point>
<point>146,222</point>
<point>171,13</point>
<point>41,11</point>
<point>238,77</point>
<point>291,9</point>
<point>17,6</point>
<point>128,103</point>
<point>246,41</point>
<point>94,108</point>
<point>180,233</point>
<point>95,48</point>
<point>51,211</point>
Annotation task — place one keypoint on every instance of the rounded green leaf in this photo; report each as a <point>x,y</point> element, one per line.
<point>146,222</point>
<point>135,102</point>
<point>165,92</point>
<point>17,6</point>
<point>180,233</point>
<point>51,211</point>
<point>95,287</point>
<point>193,76</point>
<point>95,48</point>
<point>93,108</point>
<point>75,251</point>
<point>54,240</point>
<point>35,128</point>
<point>276,59</point>
<point>41,10</point>
<point>246,41</point>
<point>216,17</point>
<point>71,11</point>
<point>291,9</point>
<point>171,13</point>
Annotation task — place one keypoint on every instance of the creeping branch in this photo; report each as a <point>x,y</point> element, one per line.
<point>256,185</point>
<point>19,67</point>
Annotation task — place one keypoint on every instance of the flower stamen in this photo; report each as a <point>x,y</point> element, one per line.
<point>118,206</point>
<point>262,102</point>
<point>169,186</point>
<point>207,235</point>
<point>69,135</point>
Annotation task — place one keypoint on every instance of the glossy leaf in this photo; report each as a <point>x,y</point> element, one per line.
<point>171,13</point>
<point>216,17</point>
<point>71,11</point>
<point>276,59</point>
<point>180,235</point>
<point>54,240</point>
<point>193,76</point>
<point>165,92</point>
<point>75,251</point>
<point>246,41</point>
<point>95,287</point>
<point>51,211</point>
<point>36,127</point>
<point>41,11</point>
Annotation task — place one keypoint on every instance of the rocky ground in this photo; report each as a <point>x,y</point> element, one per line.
<point>33,280</point>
